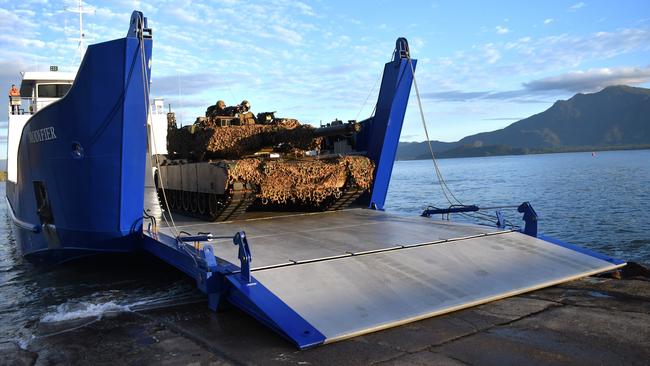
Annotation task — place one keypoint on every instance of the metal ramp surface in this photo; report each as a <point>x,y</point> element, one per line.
<point>319,278</point>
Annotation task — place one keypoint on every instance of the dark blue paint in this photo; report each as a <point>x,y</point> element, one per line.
<point>581,250</point>
<point>207,253</point>
<point>263,305</point>
<point>226,283</point>
<point>244,255</point>
<point>94,169</point>
<point>530,218</point>
<point>380,134</point>
<point>167,249</point>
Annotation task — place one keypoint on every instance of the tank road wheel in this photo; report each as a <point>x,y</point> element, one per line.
<point>161,199</point>
<point>194,198</point>
<point>203,203</point>
<point>213,206</point>
<point>185,200</point>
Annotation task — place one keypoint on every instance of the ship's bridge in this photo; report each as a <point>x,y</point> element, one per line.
<point>38,89</point>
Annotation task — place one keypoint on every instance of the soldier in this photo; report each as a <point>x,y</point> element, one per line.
<point>216,110</point>
<point>246,117</point>
<point>231,111</point>
<point>221,106</point>
<point>245,106</point>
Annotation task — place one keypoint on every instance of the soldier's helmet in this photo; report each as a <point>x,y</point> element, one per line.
<point>221,104</point>
<point>245,106</point>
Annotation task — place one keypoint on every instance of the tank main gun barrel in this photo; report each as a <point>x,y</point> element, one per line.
<point>343,129</point>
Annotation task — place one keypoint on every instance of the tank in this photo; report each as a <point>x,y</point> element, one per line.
<point>223,166</point>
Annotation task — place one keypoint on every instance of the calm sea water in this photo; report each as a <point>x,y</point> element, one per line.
<point>601,202</point>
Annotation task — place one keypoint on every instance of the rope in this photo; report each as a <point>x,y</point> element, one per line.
<point>368,97</point>
<point>441,181</point>
<point>446,191</point>
<point>145,91</point>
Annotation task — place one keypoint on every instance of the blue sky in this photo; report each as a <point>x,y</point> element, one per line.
<point>481,66</point>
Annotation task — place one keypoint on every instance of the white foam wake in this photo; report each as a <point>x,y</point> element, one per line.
<point>65,312</point>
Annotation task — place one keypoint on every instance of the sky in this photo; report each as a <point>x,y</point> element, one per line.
<point>481,65</point>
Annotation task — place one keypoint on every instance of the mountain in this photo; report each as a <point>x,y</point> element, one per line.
<point>420,150</point>
<point>617,116</point>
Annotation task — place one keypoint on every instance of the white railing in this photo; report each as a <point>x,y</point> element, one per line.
<point>20,105</point>
<point>26,105</point>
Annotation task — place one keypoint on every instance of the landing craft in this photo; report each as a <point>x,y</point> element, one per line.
<point>81,181</point>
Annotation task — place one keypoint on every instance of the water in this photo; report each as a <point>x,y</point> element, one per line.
<point>37,300</point>
<point>597,202</point>
<point>600,202</point>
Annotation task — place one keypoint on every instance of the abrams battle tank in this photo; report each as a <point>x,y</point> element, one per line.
<point>231,162</point>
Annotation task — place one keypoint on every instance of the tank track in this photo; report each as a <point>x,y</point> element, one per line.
<point>241,200</point>
<point>347,198</point>
<point>209,207</point>
<point>235,206</point>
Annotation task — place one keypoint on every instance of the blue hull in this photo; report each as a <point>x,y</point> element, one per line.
<point>81,160</point>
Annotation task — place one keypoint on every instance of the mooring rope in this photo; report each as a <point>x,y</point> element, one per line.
<point>441,180</point>
<point>368,97</point>
<point>446,191</point>
<point>150,139</point>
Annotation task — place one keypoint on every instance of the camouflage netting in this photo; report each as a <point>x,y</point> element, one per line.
<point>205,140</point>
<point>309,181</point>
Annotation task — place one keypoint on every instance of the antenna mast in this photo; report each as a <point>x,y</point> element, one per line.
<point>81,48</point>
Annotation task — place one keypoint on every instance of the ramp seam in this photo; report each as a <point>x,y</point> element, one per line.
<point>376,251</point>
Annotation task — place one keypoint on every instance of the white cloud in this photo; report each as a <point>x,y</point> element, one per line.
<point>529,55</point>
<point>304,8</point>
<point>287,35</point>
<point>12,21</point>
<point>573,82</point>
<point>592,79</point>
<point>21,42</point>
<point>491,53</point>
<point>577,6</point>
<point>502,30</point>
<point>185,15</point>
<point>548,21</point>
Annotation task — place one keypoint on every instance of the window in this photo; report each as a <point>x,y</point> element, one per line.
<point>53,90</point>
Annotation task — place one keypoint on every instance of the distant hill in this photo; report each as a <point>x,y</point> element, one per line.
<point>615,117</point>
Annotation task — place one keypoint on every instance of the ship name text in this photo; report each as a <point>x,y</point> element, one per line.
<point>40,135</point>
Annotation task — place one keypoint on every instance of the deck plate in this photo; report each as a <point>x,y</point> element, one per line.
<point>301,237</point>
<point>420,267</point>
<point>355,295</point>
